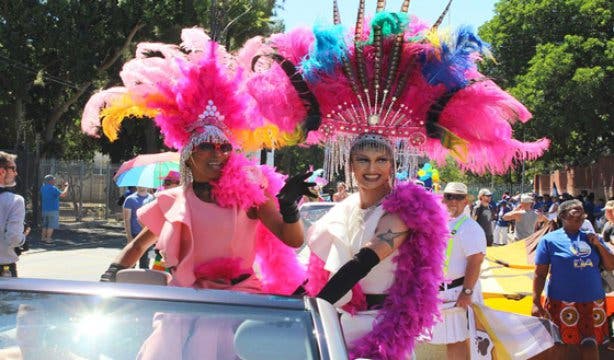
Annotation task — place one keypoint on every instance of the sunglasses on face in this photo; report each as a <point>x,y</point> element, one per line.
<point>170,182</point>
<point>575,211</point>
<point>454,196</point>
<point>209,146</point>
<point>10,167</point>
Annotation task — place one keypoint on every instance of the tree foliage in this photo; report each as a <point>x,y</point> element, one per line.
<point>54,54</point>
<point>557,57</point>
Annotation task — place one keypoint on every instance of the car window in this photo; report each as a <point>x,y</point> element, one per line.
<point>67,326</point>
<point>311,214</point>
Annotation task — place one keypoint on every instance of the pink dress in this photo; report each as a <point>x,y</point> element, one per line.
<point>208,246</point>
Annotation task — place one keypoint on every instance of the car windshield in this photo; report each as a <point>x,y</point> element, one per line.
<point>313,212</point>
<point>35,325</point>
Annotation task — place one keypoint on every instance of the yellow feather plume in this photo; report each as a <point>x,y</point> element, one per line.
<point>121,108</point>
<point>268,136</point>
<point>459,147</point>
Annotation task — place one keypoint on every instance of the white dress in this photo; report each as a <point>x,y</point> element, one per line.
<point>336,238</point>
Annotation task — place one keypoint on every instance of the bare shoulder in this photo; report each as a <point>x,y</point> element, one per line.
<point>391,221</point>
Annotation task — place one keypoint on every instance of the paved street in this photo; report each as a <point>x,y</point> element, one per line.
<point>82,251</point>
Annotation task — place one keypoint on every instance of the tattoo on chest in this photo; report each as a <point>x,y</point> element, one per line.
<point>389,236</point>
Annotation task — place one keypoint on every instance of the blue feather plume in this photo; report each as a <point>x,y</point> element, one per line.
<point>455,59</point>
<point>328,52</point>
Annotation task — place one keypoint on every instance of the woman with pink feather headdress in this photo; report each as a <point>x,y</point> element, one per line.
<point>393,89</point>
<point>224,217</point>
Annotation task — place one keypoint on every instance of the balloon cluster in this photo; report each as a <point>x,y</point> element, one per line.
<point>429,176</point>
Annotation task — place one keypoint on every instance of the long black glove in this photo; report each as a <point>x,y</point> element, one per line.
<point>294,189</point>
<point>111,273</point>
<point>349,275</point>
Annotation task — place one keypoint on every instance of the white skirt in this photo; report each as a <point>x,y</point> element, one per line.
<point>453,326</point>
<point>358,325</point>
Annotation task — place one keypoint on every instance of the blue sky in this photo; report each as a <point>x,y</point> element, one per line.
<point>306,12</point>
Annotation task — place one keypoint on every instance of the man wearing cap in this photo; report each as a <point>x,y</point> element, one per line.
<point>483,214</point>
<point>50,201</point>
<point>465,252</point>
<point>500,236</point>
<point>525,217</point>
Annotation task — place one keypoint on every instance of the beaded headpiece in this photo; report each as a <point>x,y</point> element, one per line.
<point>416,85</point>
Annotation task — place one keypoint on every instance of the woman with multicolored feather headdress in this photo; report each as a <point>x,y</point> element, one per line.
<point>392,89</point>
<point>224,218</point>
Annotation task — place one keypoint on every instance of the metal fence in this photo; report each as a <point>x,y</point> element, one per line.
<point>92,191</point>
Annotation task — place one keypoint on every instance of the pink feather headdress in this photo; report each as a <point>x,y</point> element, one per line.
<point>395,77</point>
<point>195,92</point>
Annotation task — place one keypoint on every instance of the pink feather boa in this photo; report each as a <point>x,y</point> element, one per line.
<point>246,184</point>
<point>411,307</point>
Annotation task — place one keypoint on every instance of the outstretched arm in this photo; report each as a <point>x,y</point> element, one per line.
<point>130,254</point>
<point>513,215</point>
<point>390,233</point>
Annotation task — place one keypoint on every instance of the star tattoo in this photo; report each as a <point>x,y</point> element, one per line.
<point>389,236</point>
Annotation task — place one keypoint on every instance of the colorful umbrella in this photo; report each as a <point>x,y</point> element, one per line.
<point>147,170</point>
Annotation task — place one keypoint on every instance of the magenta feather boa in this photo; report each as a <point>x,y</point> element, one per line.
<point>411,307</point>
<point>246,184</point>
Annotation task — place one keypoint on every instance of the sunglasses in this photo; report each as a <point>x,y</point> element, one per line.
<point>454,196</point>
<point>170,182</point>
<point>574,211</point>
<point>209,146</point>
<point>10,167</point>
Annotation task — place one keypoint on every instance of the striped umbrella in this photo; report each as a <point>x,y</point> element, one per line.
<point>147,170</point>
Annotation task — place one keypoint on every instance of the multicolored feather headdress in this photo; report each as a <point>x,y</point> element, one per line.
<point>195,92</point>
<point>416,85</point>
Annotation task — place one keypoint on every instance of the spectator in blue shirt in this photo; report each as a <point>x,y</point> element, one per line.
<point>50,196</point>
<point>575,299</point>
<point>132,203</point>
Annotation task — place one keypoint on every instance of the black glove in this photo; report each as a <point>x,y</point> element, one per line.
<point>111,273</point>
<point>294,189</point>
<point>349,275</point>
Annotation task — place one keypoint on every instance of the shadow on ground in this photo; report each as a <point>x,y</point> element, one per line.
<point>81,235</point>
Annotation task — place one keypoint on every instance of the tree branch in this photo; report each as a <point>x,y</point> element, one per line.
<point>60,110</point>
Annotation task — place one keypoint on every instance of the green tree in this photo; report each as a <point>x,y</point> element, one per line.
<point>54,54</point>
<point>557,57</point>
